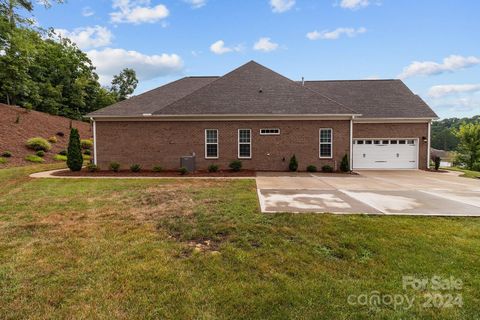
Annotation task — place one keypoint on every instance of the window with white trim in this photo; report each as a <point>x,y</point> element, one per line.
<point>211,144</point>
<point>244,143</point>
<point>269,132</point>
<point>326,142</point>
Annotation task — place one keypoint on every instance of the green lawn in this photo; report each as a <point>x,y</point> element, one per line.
<point>466,173</point>
<point>196,249</point>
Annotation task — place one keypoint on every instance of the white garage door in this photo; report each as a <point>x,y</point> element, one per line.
<point>385,153</point>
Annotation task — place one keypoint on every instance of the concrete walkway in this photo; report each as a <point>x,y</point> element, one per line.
<point>408,192</point>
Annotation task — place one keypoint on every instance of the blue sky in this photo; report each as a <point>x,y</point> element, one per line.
<point>434,46</point>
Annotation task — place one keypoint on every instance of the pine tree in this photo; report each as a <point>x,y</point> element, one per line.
<point>293,166</point>
<point>345,165</point>
<point>74,151</point>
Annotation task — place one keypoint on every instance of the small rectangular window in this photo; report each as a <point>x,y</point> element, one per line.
<point>368,141</point>
<point>244,143</point>
<point>270,132</point>
<point>326,143</point>
<point>385,142</point>
<point>211,144</point>
<point>359,141</point>
<point>411,142</point>
<point>393,141</point>
<point>401,141</point>
<point>376,141</point>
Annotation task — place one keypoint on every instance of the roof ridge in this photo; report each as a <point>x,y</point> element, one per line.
<point>346,80</point>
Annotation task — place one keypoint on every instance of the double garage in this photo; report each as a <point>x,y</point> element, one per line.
<point>385,153</point>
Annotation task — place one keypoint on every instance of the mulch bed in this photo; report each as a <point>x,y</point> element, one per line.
<point>146,173</point>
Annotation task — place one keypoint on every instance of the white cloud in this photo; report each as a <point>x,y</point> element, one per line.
<point>450,64</point>
<point>219,47</point>
<point>87,12</point>
<point>354,4</point>
<point>265,44</point>
<point>88,37</point>
<point>137,11</point>
<point>335,34</point>
<point>195,4</point>
<point>111,61</point>
<point>448,89</point>
<point>280,6</point>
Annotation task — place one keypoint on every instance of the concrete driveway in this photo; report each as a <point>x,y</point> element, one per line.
<point>409,192</point>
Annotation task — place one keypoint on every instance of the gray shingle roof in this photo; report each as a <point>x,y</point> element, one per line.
<point>255,89</point>
<point>155,99</point>
<point>375,98</point>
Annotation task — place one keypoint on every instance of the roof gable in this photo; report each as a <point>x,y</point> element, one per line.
<point>254,89</point>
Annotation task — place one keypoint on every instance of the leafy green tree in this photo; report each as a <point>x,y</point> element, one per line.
<point>469,146</point>
<point>124,84</point>
<point>74,151</point>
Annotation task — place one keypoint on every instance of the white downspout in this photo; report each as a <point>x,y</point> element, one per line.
<point>351,143</point>
<point>94,141</point>
<point>429,143</point>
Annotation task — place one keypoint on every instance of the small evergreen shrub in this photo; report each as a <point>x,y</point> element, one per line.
<point>86,143</point>
<point>92,167</point>
<point>34,158</point>
<point>63,152</point>
<point>40,153</point>
<point>114,166</point>
<point>59,157</point>
<point>87,152</point>
<point>157,169</point>
<point>235,165</point>
<point>183,171</point>
<point>3,160</point>
<point>327,168</point>
<point>213,168</point>
<point>38,143</point>
<point>6,154</point>
<point>60,134</point>
<point>86,157</point>
<point>437,161</point>
<point>74,152</point>
<point>17,120</point>
<point>135,167</point>
<point>293,165</point>
<point>311,168</point>
<point>345,165</point>
<point>52,139</point>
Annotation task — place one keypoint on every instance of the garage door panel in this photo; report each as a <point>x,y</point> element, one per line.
<point>385,155</point>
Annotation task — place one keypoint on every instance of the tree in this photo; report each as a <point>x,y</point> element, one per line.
<point>74,151</point>
<point>9,8</point>
<point>124,84</point>
<point>293,165</point>
<point>345,165</point>
<point>469,145</point>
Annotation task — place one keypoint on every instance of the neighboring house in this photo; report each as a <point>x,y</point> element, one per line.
<point>262,118</point>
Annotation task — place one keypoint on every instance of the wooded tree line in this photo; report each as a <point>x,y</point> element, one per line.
<point>41,71</point>
<point>443,132</point>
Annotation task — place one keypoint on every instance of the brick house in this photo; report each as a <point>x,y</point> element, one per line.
<point>263,118</point>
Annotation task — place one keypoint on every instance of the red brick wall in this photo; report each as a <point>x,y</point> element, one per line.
<point>152,143</point>
<point>396,130</point>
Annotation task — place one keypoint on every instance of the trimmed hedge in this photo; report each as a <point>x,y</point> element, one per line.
<point>34,158</point>
<point>38,143</point>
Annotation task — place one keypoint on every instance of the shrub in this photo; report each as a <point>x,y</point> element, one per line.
<point>183,171</point>
<point>60,134</point>
<point>86,143</point>
<point>92,167</point>
<point>63,152</point>
<point>436,161</point>
<point>293,165</point>
<point>476,166</point>
<point>157,168</point>
<point>311,168</point>
<point>235,165</point>
<point>38,144</point>
<point>135,167</point>
<point>213,168</point>
<point>40,153</point>
<point>3,160</point>
<point>17,120</point>
<point>52,139</point>
<point>345,165</point>
<point>327,168</point>
<point>86,157</point>
<point>34,158</point>
<point>59,157</point>
<point>114,166</point>
<point>6,154</point>
<point>87,152</point>
<point>74,153</point>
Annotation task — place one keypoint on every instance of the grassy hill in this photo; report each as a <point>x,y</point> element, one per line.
<point>17,125</point>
